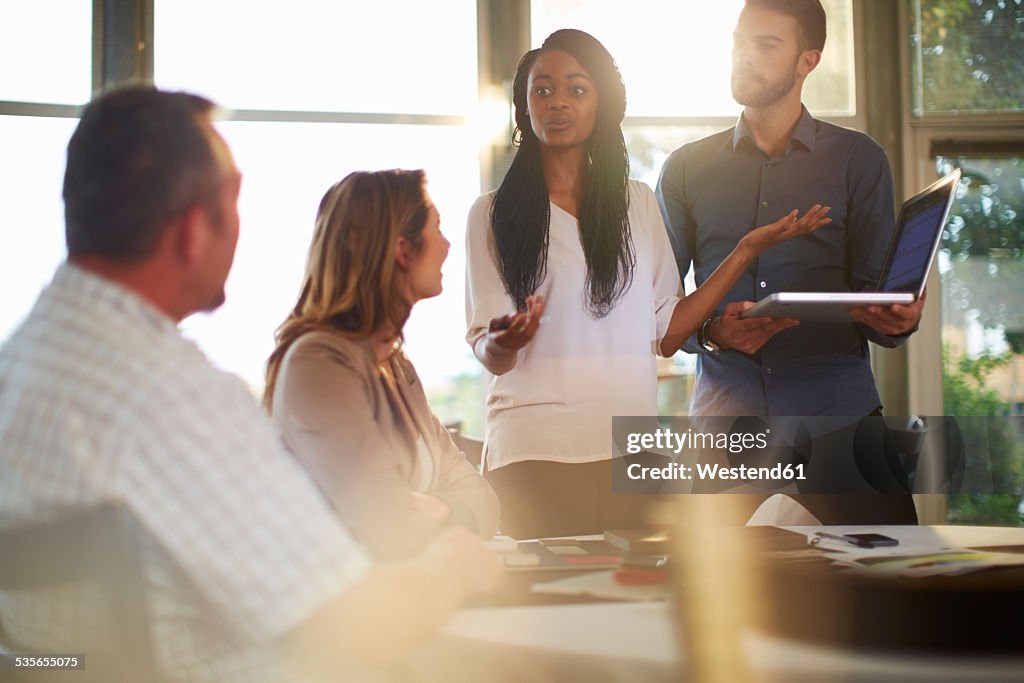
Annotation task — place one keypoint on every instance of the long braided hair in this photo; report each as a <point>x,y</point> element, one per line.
<point>521,213</point>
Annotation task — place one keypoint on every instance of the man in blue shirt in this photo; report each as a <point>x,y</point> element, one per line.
<point>776,159</point>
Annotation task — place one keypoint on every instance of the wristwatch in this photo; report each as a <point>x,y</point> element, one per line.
<point>705,340</point>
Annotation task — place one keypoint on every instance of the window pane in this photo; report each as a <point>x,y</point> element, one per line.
<point>286,169</point>
<point>968,56</point>
<point>981,264</point>
<point>649,147</point>
<point>831,89</point>
<point>32,224</point>
<point>321,55</point>
<point>675,55</point>
<point>46,50</point>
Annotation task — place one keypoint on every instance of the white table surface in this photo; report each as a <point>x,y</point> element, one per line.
<point>638,641</point>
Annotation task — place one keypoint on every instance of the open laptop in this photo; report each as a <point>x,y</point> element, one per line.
<point>904,271</point>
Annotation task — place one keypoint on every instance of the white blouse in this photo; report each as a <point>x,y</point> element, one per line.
<point>577,372</point>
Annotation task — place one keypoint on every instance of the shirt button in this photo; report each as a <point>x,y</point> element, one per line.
<point>763,284</point>
<point>767,371</point>
<point>764,204</point>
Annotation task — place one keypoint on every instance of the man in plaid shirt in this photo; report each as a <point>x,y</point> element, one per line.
<point>249,575</point>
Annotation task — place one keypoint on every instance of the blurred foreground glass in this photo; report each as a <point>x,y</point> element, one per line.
<point>676,55</point>
<point>966,56</point>
<point>981,264</point>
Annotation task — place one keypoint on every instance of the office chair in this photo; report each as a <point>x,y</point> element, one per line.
<point>471,447</point>
<point>97,547</point>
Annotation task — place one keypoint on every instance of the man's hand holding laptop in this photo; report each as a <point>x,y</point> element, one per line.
<point>748,335</point>
<point>895,320</point>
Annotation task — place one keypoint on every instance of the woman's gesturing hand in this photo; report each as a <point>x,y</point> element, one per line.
<point>785,228</point>
<point>513,332</point>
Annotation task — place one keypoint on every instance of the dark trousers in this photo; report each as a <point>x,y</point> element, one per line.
<point>540,498</point>
<point>834,509</point>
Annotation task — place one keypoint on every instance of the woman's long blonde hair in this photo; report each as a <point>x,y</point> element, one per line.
<point>351,284</point>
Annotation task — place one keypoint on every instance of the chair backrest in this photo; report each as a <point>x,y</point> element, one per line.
<point>472,448</point>
<point>97,548</point>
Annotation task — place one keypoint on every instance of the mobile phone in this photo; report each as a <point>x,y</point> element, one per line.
<point>871,540</point>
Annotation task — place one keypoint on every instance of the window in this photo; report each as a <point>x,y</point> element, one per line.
<point>320,89</point>
<point>32,229</point>
<point>967,110</point>
<point>966,56</point>
<point>38,110</point>
<point>287,166</point>
<point>316,92</point>
<point>28,34</point>
<point>981,266</point>
<point>312,55</point>
<point>675,55</point>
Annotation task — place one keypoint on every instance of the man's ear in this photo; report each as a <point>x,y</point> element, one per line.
<point>403,253</point>
<point>192,234</point>
<point>809,61</point>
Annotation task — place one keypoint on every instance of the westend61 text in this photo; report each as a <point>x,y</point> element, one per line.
<point>709,472</point>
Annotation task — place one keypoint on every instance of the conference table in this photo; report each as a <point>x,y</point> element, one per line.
<point>570,639</point>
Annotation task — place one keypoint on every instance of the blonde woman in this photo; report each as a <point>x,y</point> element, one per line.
<point>346,399</point>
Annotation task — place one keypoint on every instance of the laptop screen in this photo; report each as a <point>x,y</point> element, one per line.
<point>920,227</point>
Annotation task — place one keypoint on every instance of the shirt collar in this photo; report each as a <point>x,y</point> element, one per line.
<point>106,293</point>
<point>805,132</point>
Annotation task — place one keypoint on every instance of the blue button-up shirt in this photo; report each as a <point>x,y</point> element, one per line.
<point>715,190</point>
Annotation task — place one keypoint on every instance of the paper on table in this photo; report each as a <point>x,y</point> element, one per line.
<point>923,551</point>
<point>912,539</point>
<point>626,631</point>
<point>567,550</point>
<point>781,510</point>
<point>945,563</point>
<point>502,544</point>
<point>928,538</point>
<point>602,585</point>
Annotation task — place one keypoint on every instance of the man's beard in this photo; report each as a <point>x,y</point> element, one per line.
<point>216,301</point>
<point>766,94</point>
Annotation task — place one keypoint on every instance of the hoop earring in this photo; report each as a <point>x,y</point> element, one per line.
<point>517,137</point>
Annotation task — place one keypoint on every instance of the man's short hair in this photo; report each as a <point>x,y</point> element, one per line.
<point>138,158</point>
<point>809,15</point>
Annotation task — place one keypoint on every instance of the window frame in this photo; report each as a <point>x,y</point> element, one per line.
<point>858,121</point>
<point>919,134</point>
<point>123,49</point>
